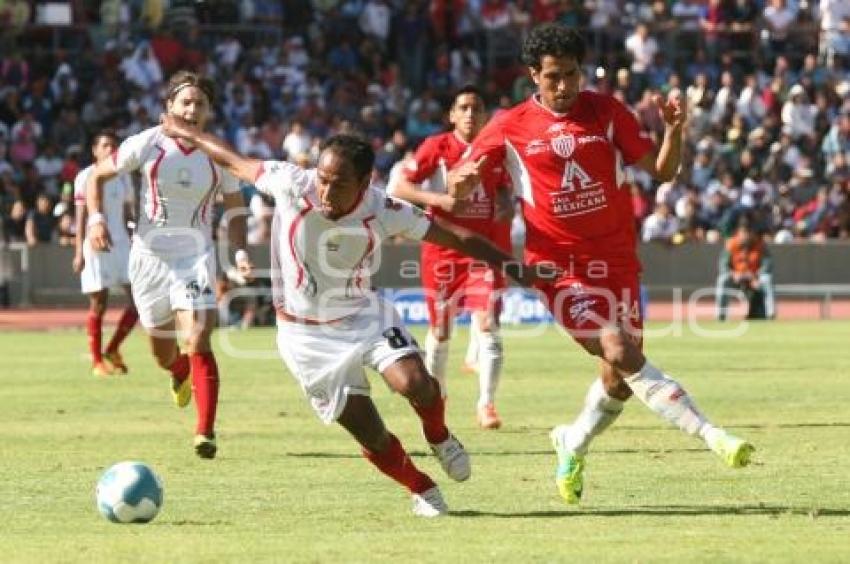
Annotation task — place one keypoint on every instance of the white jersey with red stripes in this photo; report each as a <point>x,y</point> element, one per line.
<point>179,185</point>
<point>321,267</point>
<point>117,191</point>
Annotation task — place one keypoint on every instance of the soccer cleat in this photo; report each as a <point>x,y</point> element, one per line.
<point>205,446</point>
<point>453,458</point>
<point>488,418</point>
<point>181,391</point>
<point>569,475</point>
<point>429,503</point>
<point>117,362</point>
<point>101,369</point>
<point>735,452</point>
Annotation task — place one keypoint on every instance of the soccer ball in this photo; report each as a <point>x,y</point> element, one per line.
<point>129,492</point>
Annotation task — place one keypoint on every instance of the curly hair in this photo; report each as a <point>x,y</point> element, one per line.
<point>552,39</point>
<point>354,149</point>
<point>183,78</point>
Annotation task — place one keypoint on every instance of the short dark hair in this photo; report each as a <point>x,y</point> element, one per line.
<point>108,133</point>
<point>353,148</point>
<point>552,39</point>
<point>184,78</point>
<point>468,89</point>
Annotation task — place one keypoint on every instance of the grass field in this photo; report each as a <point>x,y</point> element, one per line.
<point>287,489</point>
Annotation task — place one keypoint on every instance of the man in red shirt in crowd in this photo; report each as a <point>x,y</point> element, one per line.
<point>452,280</point>
<point>566,150</point>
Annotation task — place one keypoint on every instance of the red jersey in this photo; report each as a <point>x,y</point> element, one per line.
<point>432,161</point>
<point>569,171</point>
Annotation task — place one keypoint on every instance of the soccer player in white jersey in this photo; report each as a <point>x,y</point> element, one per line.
<point>100,271</point>
<point>327,233</point>
<point>172,260</point>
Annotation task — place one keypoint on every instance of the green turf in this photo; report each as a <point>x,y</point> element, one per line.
<point>287,489</point>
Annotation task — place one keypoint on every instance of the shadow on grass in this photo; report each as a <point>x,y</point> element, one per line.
<point>475,453</point>
<point>666,511</point>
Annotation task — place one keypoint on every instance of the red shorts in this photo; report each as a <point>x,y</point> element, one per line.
<point>584,304</point>
<point>454,284</point>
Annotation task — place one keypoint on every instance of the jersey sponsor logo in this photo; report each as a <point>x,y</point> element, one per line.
<point>392,204</point>
<point>564,145</point>
<point>581,308</point>
<point>535,147</point>
<point>556,127</point>
<point>584,140</point>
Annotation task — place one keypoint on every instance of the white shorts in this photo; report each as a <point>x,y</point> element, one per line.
<point>328,360</point>
<point>164,285</point>
<point>102,271</point>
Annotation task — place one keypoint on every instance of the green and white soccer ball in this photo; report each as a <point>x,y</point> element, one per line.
<point>129,492</point>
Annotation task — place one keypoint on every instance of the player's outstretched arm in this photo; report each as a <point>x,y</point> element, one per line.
<point>468,243</point>
<point>665,165</point>
<point>218,149</point>
<point>401,187</point>
<point>98,233</point>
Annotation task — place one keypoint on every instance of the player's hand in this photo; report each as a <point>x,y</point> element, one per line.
<point>78,263</point>
<point>175,126</point>
<point>99,237</point>
<point>449,203</point>
<point>674,111</point>
<point>246,269</point>
<point>464,178</point>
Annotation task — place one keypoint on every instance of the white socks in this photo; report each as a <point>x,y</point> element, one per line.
<point>436,358</point>
<point>489,366</point>
<point>667,398</point>
<point>600,410</point>
<point>471,358</point>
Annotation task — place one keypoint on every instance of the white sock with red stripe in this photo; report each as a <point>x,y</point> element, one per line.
<point>599,412</point>
<point>667,398</point>
<point>471,358</point>
<point>489,366</point>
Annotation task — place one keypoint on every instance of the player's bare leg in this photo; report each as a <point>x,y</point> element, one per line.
<point>383,449</point>
<point>489,369</point>
<point>94,329</point>
<point>199,325</point>
<point>125,324</point>
<point>408,377</point>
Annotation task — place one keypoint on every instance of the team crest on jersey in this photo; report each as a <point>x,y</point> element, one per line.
<point>391,204</point>
<point>564,145</point>
<point>184,177</point>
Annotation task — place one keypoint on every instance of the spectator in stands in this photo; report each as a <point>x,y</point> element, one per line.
<point>746,266</point>
<point>661,225</point>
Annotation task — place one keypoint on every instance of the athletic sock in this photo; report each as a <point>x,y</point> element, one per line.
<point>125,325</point>
<point>667,398</point>
<point>489,366</point>
<point>180,367</point>
<point>205,387</point>
<point>394,462</point>
<point>94,329</point>
<point>436,358</point>
<point>433,420</point>
<point>472,350</point>
<point>599,412</point>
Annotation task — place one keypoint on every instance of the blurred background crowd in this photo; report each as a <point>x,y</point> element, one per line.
<point>767,83</point>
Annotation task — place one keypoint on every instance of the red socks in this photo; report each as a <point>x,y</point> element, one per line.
<point>125,325</point>
<point>180,367</point>
<point>395,463</point>
<point>94,329</point>
<point>205,385</point>
<point>433,419</point>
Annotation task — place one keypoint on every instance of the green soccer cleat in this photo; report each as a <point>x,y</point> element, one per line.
<point>735,452</point>
<point>181,391</point>
<point>569,475</point>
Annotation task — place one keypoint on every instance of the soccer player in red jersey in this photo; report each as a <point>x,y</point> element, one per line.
<point>453,280</point>
<point>566,150</point>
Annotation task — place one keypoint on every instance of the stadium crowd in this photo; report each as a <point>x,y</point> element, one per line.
<point>767,84</point>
